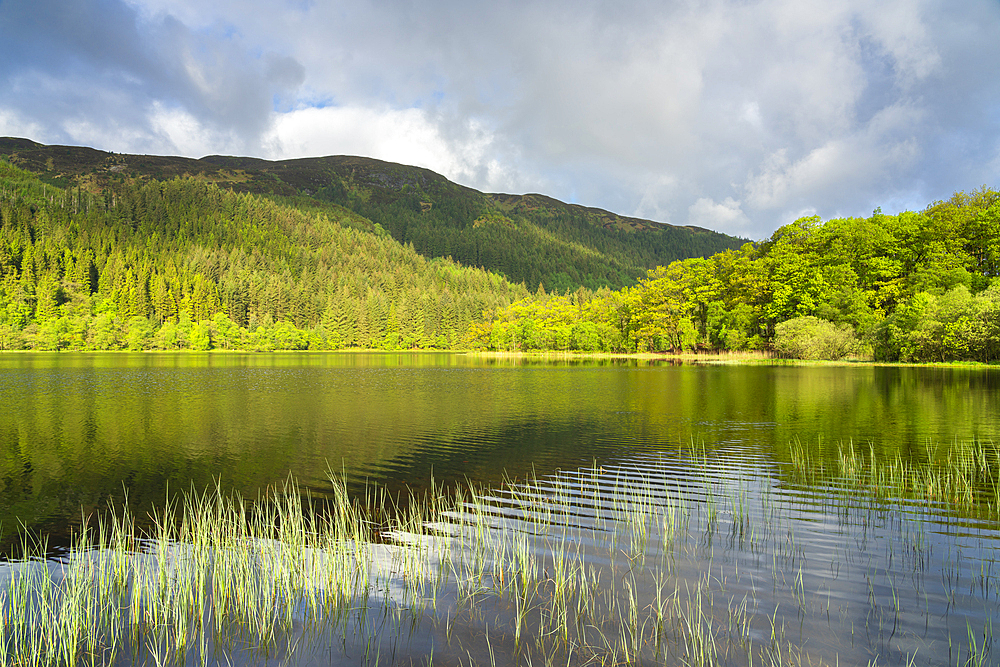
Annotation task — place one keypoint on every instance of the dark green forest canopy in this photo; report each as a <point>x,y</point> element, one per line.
<point>909,287</point>
<point>530,239</point>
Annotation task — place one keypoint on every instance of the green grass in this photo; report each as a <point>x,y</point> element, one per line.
<point>965,475</point>
<point>585,567</point>
<point>219,574</point>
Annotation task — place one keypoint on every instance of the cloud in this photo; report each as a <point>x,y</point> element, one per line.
<point>406,136</point>
<point>736,113</point>
<point>13,124</point>
<point>861,160</point>
<point>727,214</point>
<point>92,69</point>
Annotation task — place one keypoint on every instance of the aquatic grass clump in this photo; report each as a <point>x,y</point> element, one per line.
<point>214,575</point>
<point>606,565</point>
<point>964,475</point>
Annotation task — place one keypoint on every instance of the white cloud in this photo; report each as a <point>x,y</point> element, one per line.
<point>407,136</point>
<point>404,136</point>
<point>862,159</point>
<point>901,27</point>
<point>84,131</point>
<point>13,124</point>
<point>751,115</point>
<point>187,135</point>
<point>725,215</point>
<point>657,191</point>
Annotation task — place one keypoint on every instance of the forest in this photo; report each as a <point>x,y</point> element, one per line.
<point>183,264</point>
<point>534,239</point>
<point>913,287</point>
<point>186,264</point>
<point>530,239</point>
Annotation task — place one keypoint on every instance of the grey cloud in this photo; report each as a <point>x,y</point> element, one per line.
<point>284,71</point>
<point>56,36</point>
<point>101,64</point>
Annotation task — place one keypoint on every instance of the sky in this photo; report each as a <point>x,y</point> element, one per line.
<point>735,115</point>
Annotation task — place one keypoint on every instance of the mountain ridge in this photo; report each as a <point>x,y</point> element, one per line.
<point>234,162</point>
<point>537,239</point>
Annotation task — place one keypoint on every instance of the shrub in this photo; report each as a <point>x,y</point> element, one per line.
<point>812,338</point>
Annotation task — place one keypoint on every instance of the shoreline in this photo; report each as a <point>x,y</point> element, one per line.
<point>705,358</point>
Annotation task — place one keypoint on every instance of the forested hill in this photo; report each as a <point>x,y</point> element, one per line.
<point>528,238</point>
<point>185,264</point>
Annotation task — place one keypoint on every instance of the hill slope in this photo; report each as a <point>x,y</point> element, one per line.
<point>186,264</point>
<point>528,238</point>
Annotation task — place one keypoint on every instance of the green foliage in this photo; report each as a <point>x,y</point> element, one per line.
<point>134,262</point>
<point>184,264</point>
<point>911,287</point>
<point>140,332</point>
<point>956,325</point>
<point>533,239</point>
<point>810,337</point>
<point>530,239</point>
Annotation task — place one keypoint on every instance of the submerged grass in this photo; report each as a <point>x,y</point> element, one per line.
<point>217,576</point>
<point>584,567</point>
<point>213,574</point>
<point>964,475</point>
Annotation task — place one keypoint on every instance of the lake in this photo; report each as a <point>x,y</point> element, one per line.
<point>770,466</point>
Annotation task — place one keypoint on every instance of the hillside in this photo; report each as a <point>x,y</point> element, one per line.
<point>528,238</point>
<point>185,264</point>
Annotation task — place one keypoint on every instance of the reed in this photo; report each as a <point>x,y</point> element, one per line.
<point>577,568</point>
<point>965,475</point>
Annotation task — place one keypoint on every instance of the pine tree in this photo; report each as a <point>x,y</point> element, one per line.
<point>391,339</point>
<point>347,315</point>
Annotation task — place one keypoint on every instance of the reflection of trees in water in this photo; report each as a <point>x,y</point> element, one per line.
<point>76,431</point>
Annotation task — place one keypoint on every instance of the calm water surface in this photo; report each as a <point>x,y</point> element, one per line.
<point>78,431</point>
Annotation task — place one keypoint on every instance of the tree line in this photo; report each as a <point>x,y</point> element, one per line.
<point>913,287</point>
<point>186,264</point>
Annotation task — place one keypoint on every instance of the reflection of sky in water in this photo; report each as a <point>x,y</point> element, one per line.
<point>846,577</point>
